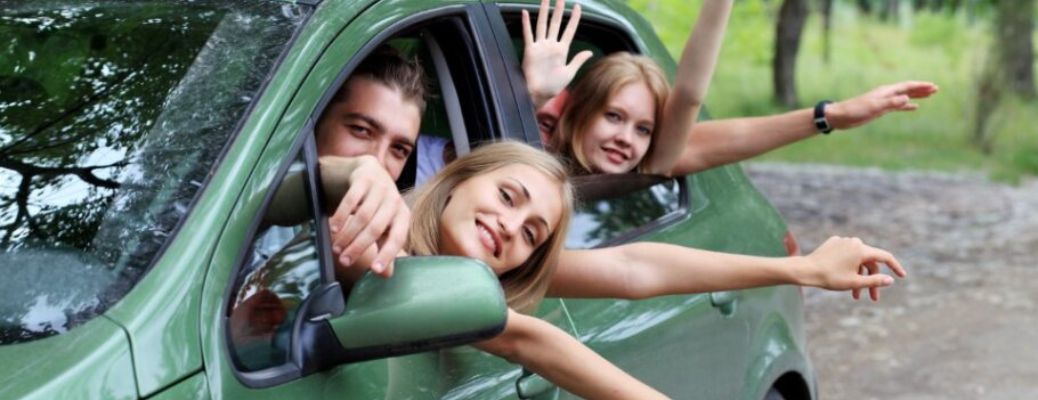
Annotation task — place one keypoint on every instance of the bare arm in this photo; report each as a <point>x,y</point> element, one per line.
<point>562,359</point>
<point>719,142</point>
<point>647,269</point>
<point>691,82</point>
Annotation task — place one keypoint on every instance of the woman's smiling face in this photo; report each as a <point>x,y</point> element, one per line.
<point>619,135</point>
<point>502,216</point>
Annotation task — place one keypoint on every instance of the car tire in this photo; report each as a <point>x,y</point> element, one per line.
<point>774,394</point>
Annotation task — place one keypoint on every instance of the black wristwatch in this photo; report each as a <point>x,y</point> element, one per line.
<point>821,123</point>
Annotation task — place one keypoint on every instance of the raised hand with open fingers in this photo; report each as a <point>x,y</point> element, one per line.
<point>546,50</point>
<point>875,103</point>
<point>849,264</point>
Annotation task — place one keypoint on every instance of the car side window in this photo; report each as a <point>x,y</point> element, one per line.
<point>616,208</point>
<point>280,270</point>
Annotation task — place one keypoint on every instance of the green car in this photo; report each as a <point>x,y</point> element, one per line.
<point>141,144</point>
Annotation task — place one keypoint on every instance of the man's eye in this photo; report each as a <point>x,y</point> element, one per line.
<point>401,152</point>
<point>359,130</point>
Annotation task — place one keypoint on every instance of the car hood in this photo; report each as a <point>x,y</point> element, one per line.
<point>89,361</point>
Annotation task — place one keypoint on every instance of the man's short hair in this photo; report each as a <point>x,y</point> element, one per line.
<point>388,67</point>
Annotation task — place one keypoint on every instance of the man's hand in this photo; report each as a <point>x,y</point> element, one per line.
<point>877,102</point>
<point>371,214</point>
<point>544,53</point>
<point>847,263</point>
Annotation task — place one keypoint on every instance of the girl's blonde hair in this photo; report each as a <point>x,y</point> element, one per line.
<point>525,285</point>
<point>590,95</point>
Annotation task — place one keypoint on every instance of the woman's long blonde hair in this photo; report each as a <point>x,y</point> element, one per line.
<point>590,95</point>
<point>525,285</point>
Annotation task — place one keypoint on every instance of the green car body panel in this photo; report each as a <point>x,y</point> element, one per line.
<point>166,338</point>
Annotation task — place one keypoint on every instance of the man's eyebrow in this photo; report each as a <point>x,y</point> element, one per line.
<point>526,193</point>
<point>370,121</point>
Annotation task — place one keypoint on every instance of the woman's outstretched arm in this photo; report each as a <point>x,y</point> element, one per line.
<point>719,142</point>
<point>648,269</point>
<point>691,82</point>
<point>560,358</point>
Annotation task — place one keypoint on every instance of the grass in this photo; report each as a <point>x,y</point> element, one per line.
<point>865,53</point>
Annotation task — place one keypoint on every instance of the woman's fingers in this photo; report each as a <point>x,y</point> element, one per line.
<point>876,254</point>
<point>542,21</point>
<point>556,20</point>
<point>577,62</point>
<point>527,29</point>
<point>571,26</point>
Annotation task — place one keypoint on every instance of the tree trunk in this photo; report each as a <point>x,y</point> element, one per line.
<point>865,6</point>
<point>827,29</point>
<point>790,25</point>
<point>1014,25</point>
<point>889,11</point>
<point>1009,68</point>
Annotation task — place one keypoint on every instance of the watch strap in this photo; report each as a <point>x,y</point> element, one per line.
<point>821,123</point>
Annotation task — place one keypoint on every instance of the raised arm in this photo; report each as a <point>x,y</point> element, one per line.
<point>545,52</point>
<point>719,142</point>
<point>648,269</point>
<point>562,359</point>
<point>690,86</point>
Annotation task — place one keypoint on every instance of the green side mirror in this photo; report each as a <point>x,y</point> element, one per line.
<point>429,303</point>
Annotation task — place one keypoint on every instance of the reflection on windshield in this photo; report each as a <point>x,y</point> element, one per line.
<point>111,115</point>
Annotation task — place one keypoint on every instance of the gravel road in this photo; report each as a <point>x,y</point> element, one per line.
<point>964,324</point>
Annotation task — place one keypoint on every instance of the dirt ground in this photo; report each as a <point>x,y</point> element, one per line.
<point>964,324</point>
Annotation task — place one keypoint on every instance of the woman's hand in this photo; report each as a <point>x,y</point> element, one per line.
<point>372,214</point>
<point>877,102</point>
<point>544,53</point>
<point>848,263</point>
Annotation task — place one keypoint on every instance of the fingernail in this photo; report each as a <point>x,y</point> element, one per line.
<point>377,267</point>
<point>334,227</point>
<point>336,249</point>
<point>888,280</point>
<point>346,260</point>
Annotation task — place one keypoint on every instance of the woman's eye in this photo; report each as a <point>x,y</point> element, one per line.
<point>644,130</point>
<point>505,197</point>
<point>612,116</point>
<point>530,236</point>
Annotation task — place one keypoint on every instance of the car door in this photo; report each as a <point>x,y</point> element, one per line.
<point>686,346</point>
<point>262,275</point>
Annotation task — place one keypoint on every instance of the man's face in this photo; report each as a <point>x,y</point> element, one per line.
<point>375,120</point>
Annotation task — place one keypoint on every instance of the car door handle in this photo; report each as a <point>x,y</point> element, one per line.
<point>531,385</point>
<point>724,301</point>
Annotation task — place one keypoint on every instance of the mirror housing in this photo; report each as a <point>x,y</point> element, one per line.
<point>430,302</point>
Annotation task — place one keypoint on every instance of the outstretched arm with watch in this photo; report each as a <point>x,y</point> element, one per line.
<point>718,142</point>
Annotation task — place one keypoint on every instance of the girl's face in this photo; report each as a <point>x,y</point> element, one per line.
<point>619,136</point>
<point>502,216</point>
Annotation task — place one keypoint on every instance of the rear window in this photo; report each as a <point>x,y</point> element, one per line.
<point>112,115</point>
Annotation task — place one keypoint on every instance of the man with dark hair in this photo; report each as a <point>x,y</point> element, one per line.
<point>364,138</point>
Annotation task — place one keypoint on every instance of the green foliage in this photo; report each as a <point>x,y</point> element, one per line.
<point>944,47</point>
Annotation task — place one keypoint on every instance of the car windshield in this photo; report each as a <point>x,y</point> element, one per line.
<point>112,115</point>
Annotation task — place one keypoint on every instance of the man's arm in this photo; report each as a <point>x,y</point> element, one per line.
<point>719,142</point>
<point>648,269</point>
